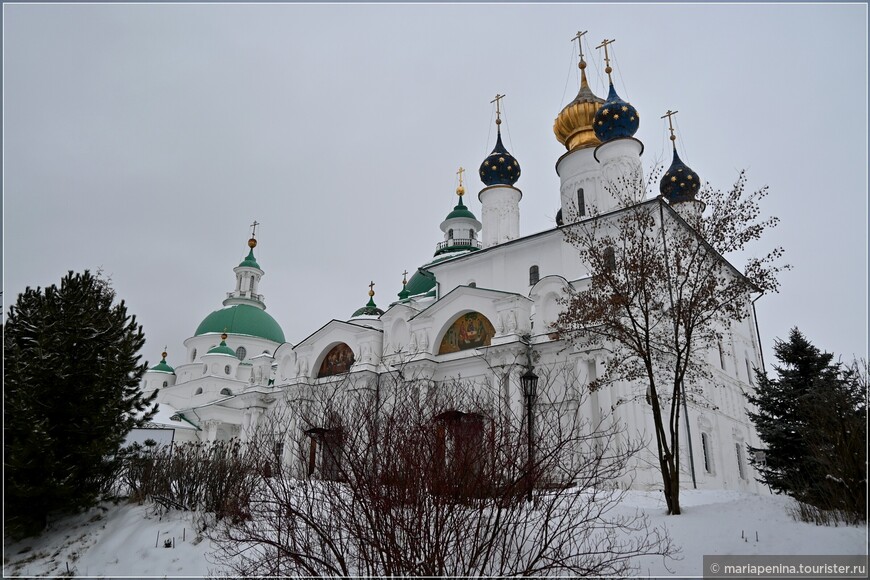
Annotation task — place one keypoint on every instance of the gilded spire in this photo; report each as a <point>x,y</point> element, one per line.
<point>573,127</point>
<point>460,191</point>
<point>607,68</point>
<point>673,137</point>
<point>252,243</point>
<point>496,100</point>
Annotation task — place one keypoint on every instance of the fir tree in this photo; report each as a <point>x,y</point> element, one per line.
<point>812,419</point>
<point>71,394</point>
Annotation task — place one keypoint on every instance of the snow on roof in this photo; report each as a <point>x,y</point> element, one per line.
<point>164,418</point>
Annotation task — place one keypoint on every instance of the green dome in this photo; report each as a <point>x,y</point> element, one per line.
<point>369,309</point>
<point>250,261</point>
<point>460,211</point>
<point>162,367</point>
<point>242,319</point>
<point>222,349</point>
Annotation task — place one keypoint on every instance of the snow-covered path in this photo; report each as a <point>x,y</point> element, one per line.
<point>121,541</point>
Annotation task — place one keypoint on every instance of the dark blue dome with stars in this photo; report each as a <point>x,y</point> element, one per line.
<point>500,167</point>
<point>615,118</point>
<point>679,183</point>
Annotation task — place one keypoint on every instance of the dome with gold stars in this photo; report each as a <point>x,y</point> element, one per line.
<point>615,119</point>
<point>500,167</point>
<point>573,126</point>
<point>679,183</point>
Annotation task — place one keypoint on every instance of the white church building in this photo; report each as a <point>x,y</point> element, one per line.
<point>479,309</point>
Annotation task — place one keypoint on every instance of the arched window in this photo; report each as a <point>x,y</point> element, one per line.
<point>226,392</point>
<point>705,446</point>
<point>748,368</point>
<point>473,234</point>
<point>241,353</point>
<point>165,384</point>
<point>193,355</point>
<point>740,470</point>
<point>450,234</point>
<point>251,286</point>
<point>534,275</point>
<point>472,284</point>
<point>204,369</point>
<point>227,369</point>
<point>198,391</point>
<point>581,203</point>
<point>609,259</point>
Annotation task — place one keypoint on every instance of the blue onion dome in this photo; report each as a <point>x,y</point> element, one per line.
<point>559,220</point>
<point>679,183</point>
<point>370,309</point>
<point>162,367</point>
<point>500,167</point>
<point>615,119</point>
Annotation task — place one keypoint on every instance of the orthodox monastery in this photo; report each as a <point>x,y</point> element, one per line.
<point>482,308</point>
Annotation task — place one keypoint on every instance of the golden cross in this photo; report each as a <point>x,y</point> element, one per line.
<point>607,68</point>
<point>579,43</point>
<point>371,288</point>
<point>404,277</point>
<point>254,228</point>
<point>459,173</point>
<point>670,114</point>
<point>496,100</point>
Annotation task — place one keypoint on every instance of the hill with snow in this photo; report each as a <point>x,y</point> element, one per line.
<point>139,540</point>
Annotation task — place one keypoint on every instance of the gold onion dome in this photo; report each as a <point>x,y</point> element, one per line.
<point>574,124</point>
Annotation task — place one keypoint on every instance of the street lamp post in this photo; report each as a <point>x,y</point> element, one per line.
<point>529,382</point>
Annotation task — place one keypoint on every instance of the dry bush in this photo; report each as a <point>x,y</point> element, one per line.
<point>401,477</point>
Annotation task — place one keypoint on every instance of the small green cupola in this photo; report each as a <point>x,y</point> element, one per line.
<point>460,227</point>
<point>162,367</point>
<point>370,309</point>
<point>403,293</point>
<point>222,348</point>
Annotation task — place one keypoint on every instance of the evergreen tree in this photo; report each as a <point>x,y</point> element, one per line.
<point>812,419</point>
<point>71,394</point>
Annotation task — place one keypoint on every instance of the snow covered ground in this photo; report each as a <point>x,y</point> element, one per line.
<point>129,540</point>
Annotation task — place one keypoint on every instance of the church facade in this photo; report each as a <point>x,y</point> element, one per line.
<point>483,308</point>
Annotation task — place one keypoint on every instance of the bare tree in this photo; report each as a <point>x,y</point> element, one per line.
<point>660,295</point>
<point>417,478</point>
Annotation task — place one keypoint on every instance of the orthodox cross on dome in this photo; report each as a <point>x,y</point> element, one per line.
<point>254,228</point>
<point>580,46</point>
<point>673,137</point>
<point>460,191</point>
<point>404,277</point>
<point>607,68</point>
<point>497,100</point>
<point>371,288</point>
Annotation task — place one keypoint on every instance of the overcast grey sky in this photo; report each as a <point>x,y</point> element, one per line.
<point>143,139</point>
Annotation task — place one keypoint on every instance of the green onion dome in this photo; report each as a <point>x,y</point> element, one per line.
<point>460,211</point>
<point>242,319</point>
<point>370,309</point>
<point>615,119</point>
<point>162,367</point>
<point>250,261</point>
<point>222,348</point>
<point>679,183</point>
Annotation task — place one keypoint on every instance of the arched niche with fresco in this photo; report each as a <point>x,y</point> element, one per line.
<point>470,330</point>
<point>337,361</point>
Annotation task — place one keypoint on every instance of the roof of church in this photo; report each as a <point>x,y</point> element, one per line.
<point>460,211</point>
<point>242,319</point>
<point>615,119</point>
<point>222,349</point>
<point>500,167</point>
<point>162,367</point>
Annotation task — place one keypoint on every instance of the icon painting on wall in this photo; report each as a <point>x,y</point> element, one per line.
<point>470,330</point>
<point>337,361</point>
